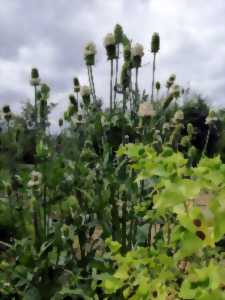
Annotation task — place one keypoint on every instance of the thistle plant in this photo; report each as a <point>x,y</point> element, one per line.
<point>155,45</point>
<point>85,92</point>
<point>118,34</point>
<point>110,46</point>
<point>137,52</point>
<point>89,56</point>
<point>35,82</point>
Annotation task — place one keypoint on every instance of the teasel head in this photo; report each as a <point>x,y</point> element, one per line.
<point>89,54</point>
<point>179,116</point>
<point>76,85</point>
<point>176,91</point>
<point>35,79</point>
<point>110,46</point>
<point>125,75</point>
<point>71,110</point>
<point>137,52</point>
<point>85,92</point>
<point>60,122</point>
<point>118,34</point>
<point>157,85</point>
<point>73,101</point>
<point>155,43</point>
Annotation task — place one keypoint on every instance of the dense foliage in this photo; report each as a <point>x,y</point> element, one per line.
<point>126,202</point>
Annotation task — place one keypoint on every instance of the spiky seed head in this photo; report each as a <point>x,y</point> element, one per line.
<point>109,40</point>
<point>85,94</point>
<point>72,99</point>
<point>76,81</point>
<point>179,116</point>
<point>118,34</point>
<point>157,85</point>
<point>155,43</point>
<point>137,50</point>
<point>176,91</point>
<point>212,118</point>
<point>6,109</point>
<point>172,77</point>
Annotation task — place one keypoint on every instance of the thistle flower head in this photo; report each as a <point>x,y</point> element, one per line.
<point>45,89</point>
<point>35,179</point>
<point>85,91</point>
<point>179,116</point>
<point>85,94</point>
<point>146,110</point>
<point>157,85</point>
<point>90,49</point>
<point>137,50</point>
<point>109,40</point>
<point>110,46</point>
<point>155,43</point>
<point>89,53</point>
<point>118,34</point>
<point>212,117</point>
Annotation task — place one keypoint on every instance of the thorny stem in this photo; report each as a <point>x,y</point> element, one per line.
<point>153,77</point>
<point>206,141</point>
<point>136,89</point>
<point>93,84</point>
<point>111,84</point>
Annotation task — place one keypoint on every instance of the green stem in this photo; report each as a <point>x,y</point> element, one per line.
<point>206,142</point>
<point>124,224</point>
<point>111,84</point>
<point>93,84</point>
<point>153,77</point>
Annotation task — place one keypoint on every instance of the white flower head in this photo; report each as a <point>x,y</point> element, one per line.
<point>137,50</point>
<point>109,40</point>
<point>179,116</point>
<point>35,179</point>
<point>146,110</point>
<point>85,91</point>
<point>90,49</point>
<point>211,118</point>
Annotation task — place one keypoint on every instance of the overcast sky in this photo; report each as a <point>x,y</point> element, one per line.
<point>51,34</point>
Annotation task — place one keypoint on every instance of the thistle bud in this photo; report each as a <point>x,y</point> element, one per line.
<point>85,94</point>
<point>89,54</point>
<point>127,53</point>
<point>76,84</point>
<point>71,111</point>
<point>110,46</point>
<point>125,75</point>
<point>6,109</point>
<point>73,102</point>
<point>170,81</point>
<point>137,52</point>
<point>158,85</point>
<point>155,43</point>
<point>60,122</point>
<point>35,80</point>
<point>118,34</point>
<point>45,89</point>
